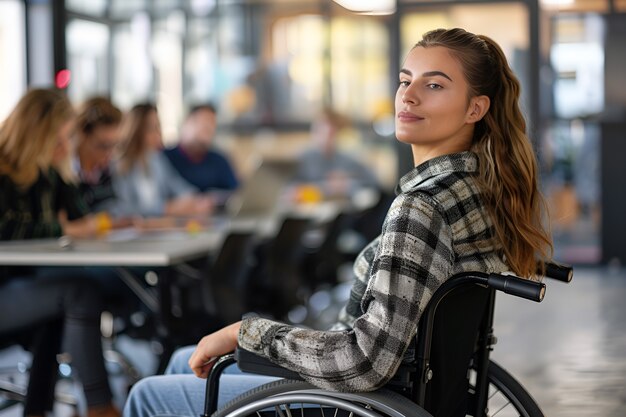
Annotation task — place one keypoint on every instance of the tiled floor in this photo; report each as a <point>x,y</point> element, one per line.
<point>569,351</point>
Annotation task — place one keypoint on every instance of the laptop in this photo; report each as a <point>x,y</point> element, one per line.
<point>258,197</point>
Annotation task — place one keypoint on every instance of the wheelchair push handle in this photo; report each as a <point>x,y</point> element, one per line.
<point>510,284</point>
<point>531,290</point>
<point>562,273</point>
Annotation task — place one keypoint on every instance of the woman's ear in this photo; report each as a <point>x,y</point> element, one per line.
<point>478,107</point>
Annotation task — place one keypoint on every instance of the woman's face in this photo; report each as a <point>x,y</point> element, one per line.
<point>99,145</point>
<point>432,103</point>
<point>63,146</point>
<point>152,134</point>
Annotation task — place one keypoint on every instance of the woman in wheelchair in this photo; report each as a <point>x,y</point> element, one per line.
<point>470,204</point>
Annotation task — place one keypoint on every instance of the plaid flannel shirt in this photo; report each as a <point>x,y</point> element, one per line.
<point>436,227</point>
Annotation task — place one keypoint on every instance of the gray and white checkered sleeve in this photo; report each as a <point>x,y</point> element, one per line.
<point>414,257</point>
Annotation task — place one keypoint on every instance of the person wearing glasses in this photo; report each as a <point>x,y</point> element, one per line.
<point>98,136</point>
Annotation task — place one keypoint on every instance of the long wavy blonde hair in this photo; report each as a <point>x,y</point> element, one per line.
<point>133,130</point>
<point>29,136</point>
<point>507,163</point>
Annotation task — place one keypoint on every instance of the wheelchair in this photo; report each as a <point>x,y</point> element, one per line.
<point>448,372</point>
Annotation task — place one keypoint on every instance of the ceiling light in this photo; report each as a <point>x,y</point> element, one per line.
<point>369,6</point>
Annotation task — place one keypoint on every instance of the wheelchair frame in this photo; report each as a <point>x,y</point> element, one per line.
<point>414,379</point>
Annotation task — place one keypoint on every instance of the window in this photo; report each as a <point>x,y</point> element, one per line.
<point>12,50</point>
<point>131,62</point>
<point>87,53</point>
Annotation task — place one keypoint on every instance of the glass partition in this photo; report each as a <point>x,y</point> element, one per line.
<point>88,57</point>
<point>13,51</point>
<point>571,143</point>
<point>133,74</point>
<point>92,7</point>
<point>166,54</point>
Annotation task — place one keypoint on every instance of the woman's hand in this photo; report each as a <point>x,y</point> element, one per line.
<point>83,228</point>
<point>211,346</point>
<point>189,205</point>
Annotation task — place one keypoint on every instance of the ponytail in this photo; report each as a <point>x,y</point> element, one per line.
<point>507,163</point>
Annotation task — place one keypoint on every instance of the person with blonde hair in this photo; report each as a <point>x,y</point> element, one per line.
<point>40,200</point>
<point>471,203</point>
<point>144,181</point>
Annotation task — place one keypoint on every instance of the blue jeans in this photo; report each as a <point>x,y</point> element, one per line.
<point>180,393</point>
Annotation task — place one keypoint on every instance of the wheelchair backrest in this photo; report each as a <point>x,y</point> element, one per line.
<point>458,319</point>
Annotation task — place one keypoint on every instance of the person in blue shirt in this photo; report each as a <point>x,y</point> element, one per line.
<point>196,159</point>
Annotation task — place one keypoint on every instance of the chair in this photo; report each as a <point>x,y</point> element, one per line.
<point>228,277</point>
<point>276,281</point>
<point>209,293</point>
<point>367,224</point>
<point>321,261</point>
<point>448,375</point>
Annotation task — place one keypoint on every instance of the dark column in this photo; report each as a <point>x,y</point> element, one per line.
<point>613,145</point>
<point>58,35</point>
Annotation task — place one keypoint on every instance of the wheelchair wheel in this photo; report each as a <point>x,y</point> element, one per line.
<point>285,398</point>
<point>507,397</point>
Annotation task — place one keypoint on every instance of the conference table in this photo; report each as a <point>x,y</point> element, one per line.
<point>145,261</point>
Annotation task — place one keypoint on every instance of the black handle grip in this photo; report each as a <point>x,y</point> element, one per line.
<point>559,272</point>
<point>510,284</point>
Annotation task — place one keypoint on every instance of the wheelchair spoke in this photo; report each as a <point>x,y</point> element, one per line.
<point>288,410</point>
<point>279,411</point>
<point>496,392</point>
<point>501,408</point>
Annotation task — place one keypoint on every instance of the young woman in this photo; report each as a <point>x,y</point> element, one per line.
<point>470,204</point>
<point>98,135</point>
<point>145,182</point>
<point>39,201</point>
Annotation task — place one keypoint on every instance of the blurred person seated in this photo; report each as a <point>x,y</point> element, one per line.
<point>40,200</point>
<point>323,165</point>
<point>97,137</point>
<point>144,181</point>
<point>195,156</point>
<point>97,130</point>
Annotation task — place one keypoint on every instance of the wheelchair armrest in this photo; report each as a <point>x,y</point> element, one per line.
<point>251,362</point>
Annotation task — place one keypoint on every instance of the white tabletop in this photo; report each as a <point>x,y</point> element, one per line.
<point>122,249</point>
<point>125,248</point>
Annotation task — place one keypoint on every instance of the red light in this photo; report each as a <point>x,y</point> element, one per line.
<point>62,79</point>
